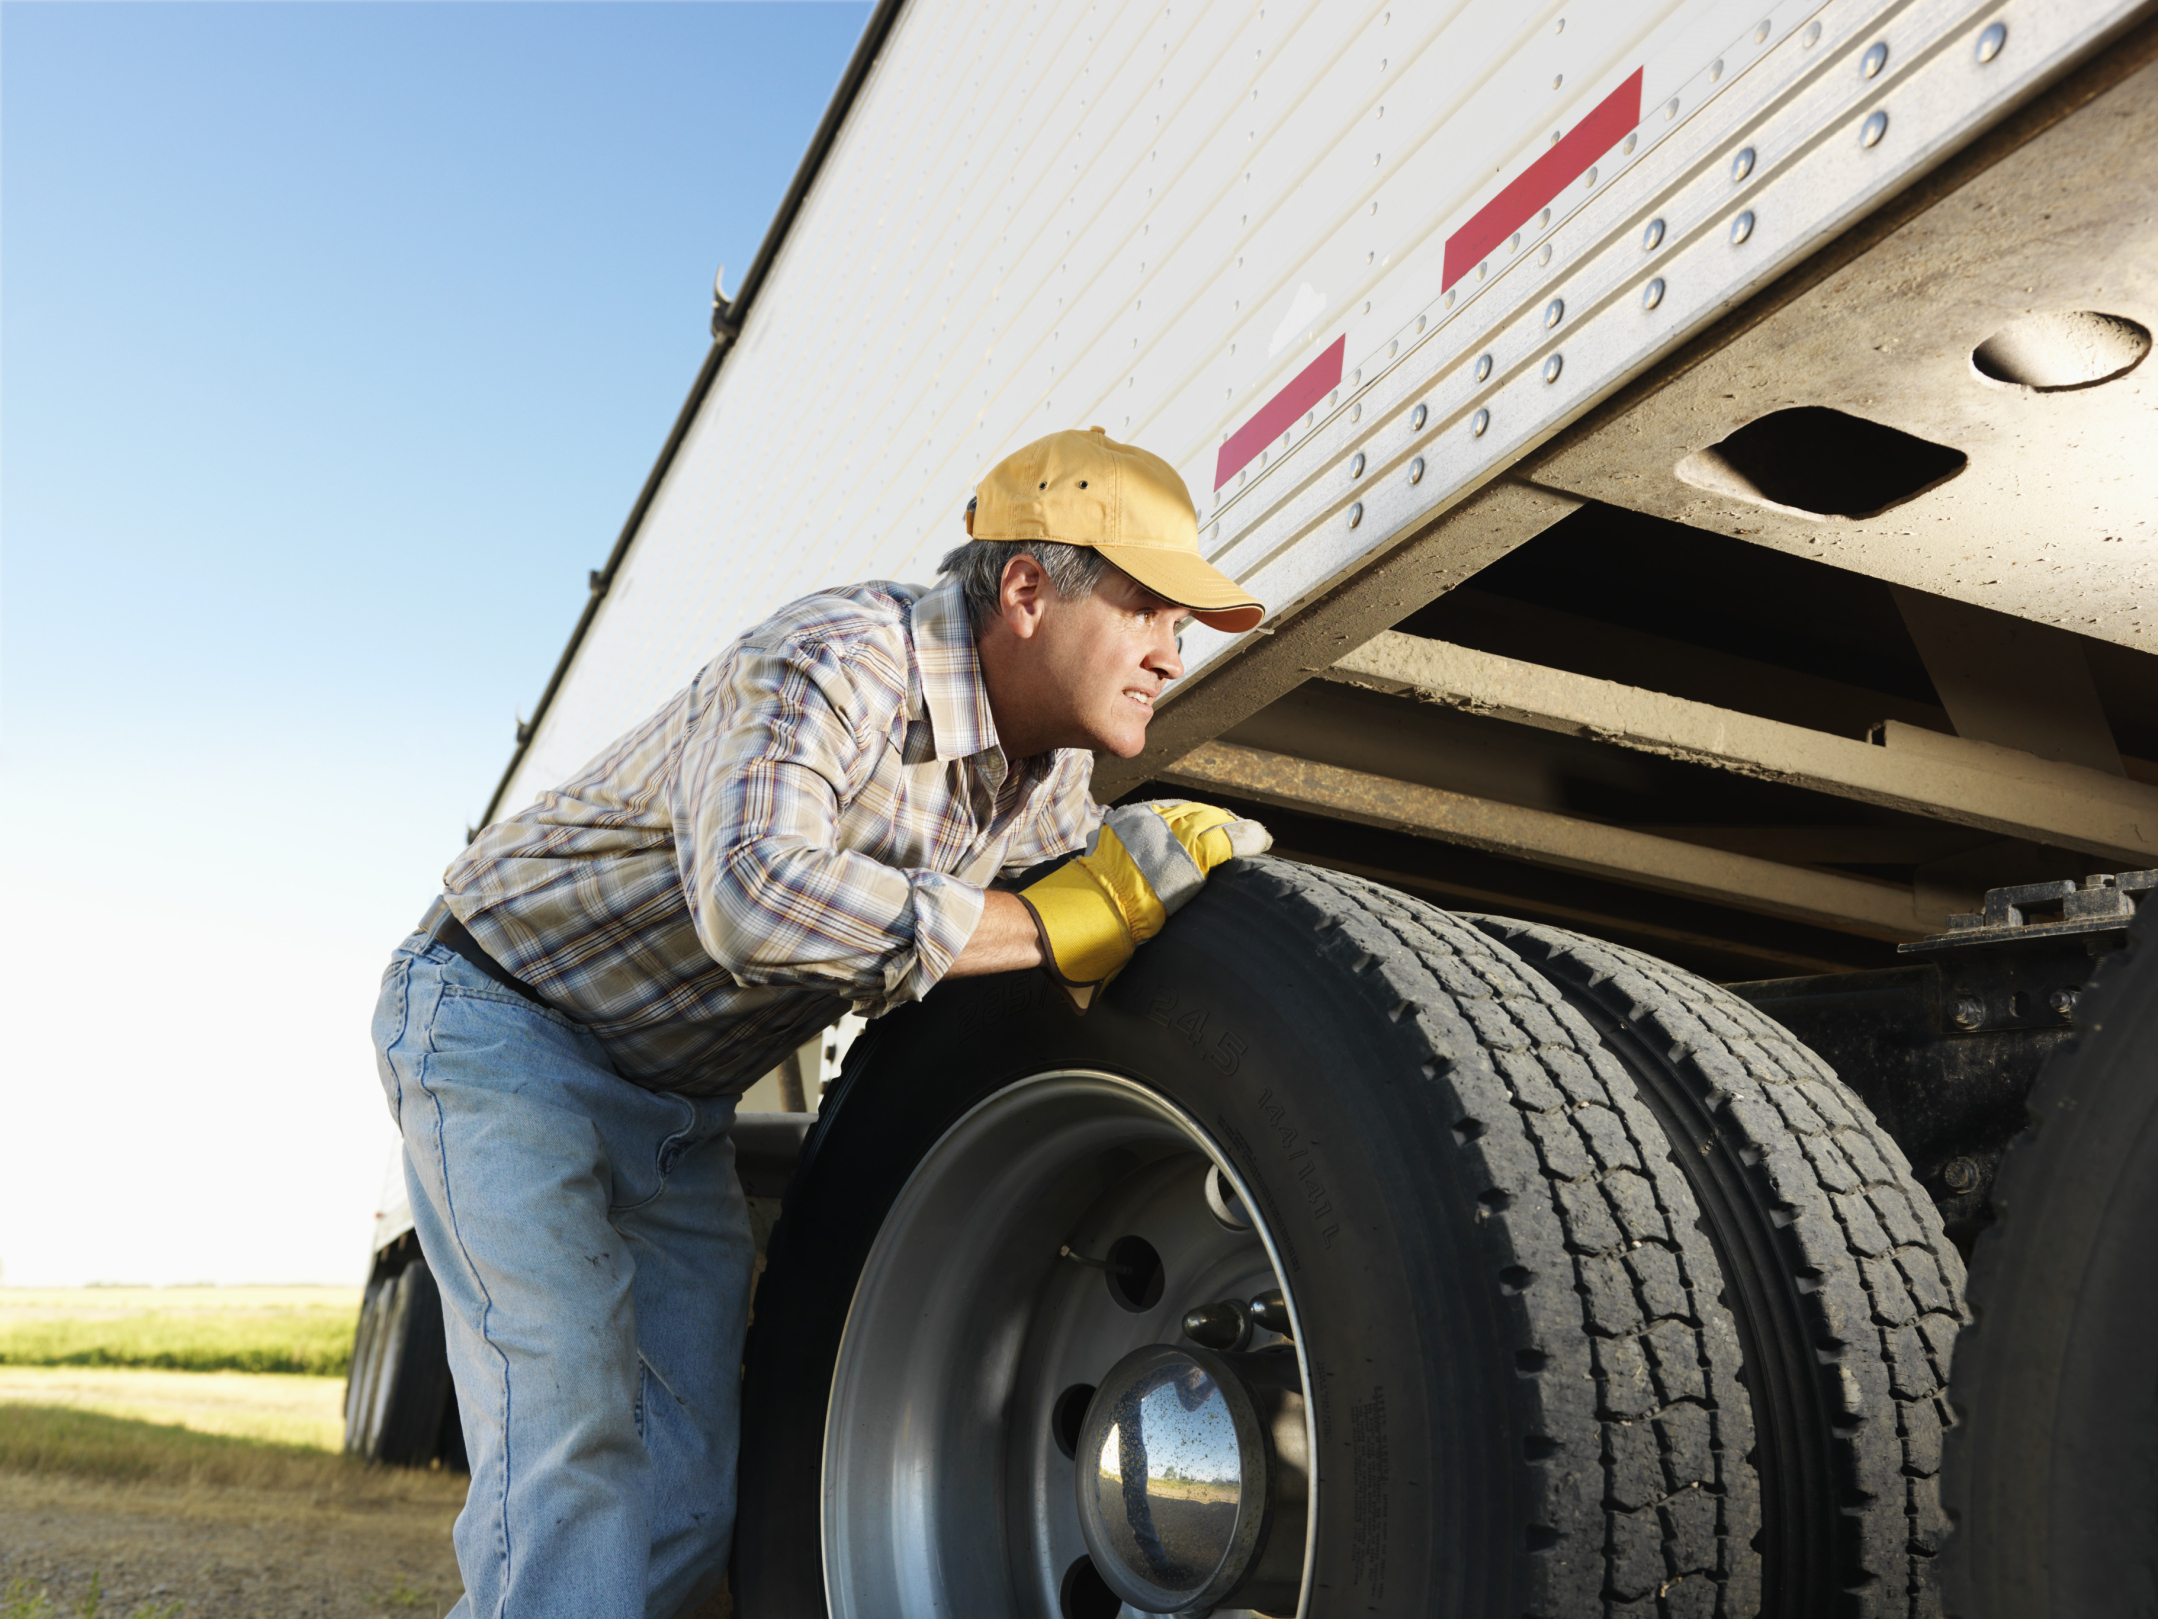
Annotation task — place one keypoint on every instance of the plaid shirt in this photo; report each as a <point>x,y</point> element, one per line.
<point>806,828</point>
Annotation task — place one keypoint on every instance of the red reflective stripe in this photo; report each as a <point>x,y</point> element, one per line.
<point>1542,180</point>
<point>1305,390</point>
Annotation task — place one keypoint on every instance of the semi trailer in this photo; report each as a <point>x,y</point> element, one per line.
<point>1700,463</point>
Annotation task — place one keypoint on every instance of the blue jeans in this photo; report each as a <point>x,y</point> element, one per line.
<point>594,1253</point>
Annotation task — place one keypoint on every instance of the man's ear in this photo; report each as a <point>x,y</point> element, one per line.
<point>1023,596</point>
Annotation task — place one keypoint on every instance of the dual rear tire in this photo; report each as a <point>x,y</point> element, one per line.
<point>400,1407</point>
<point>1546,1356</point>
<point>2053,1471</point>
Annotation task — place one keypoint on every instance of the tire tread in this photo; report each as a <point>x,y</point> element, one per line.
<point>1880,1281</point>
<point>1631,1344</point>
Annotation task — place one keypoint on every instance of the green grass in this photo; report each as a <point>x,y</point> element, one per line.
<point>20,1602</point>
<point>314,1341</point>
<point>53,1439</point>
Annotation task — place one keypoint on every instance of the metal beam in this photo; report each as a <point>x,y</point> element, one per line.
<point>1827,899</point>
<point>1629,925</point>
<point>2011,682</point>
<point>1821,845</point>
<point>1536,633</point>
<point>1457,544</point>
<point>1921,772</point>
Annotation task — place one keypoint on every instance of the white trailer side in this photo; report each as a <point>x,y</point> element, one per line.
<point>1471,225</point>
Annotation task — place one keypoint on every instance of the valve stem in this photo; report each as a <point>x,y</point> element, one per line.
<point>1077,1258</point>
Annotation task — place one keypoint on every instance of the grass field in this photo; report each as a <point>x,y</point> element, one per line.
<point>149,1471</point>
<point>175,1453</point>
<point>193,1385</point>
<point>119,1518</point>
<point>275,1407</point>
<point>300,1330</point>
<point>88,1444</point>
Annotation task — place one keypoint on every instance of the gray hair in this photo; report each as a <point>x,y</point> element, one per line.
<point>979,565</point>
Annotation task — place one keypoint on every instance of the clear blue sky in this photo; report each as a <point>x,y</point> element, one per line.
<point>335,343</point>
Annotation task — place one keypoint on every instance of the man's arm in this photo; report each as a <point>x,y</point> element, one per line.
<point>776,899</point>
<point>1005,940</point>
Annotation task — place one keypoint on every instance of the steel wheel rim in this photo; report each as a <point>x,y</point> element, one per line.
<point>944,1487</point>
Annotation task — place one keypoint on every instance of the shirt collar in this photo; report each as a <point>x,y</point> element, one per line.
<point>947,675</point>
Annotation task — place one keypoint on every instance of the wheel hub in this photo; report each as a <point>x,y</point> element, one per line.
<point>1191,1479</point>
<point>1064,1223</point>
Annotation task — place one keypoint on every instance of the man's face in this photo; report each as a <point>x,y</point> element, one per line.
<point>1114,652</point>
<point>1090,668</point>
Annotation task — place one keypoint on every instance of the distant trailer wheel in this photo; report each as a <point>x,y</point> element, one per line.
<point>1327,1266</point>
<point>2053,1473</point>
<point>1845,1287</point>
<point>399,1404</point>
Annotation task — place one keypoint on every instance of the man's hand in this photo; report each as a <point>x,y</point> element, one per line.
<point>1145,862</point>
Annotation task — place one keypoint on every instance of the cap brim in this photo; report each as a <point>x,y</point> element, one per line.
<point>1214,599</point>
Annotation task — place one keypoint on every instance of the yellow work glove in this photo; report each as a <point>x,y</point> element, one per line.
<point>1143,863</point>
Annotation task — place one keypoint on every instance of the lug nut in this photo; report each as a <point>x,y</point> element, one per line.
<point>1271,1311</point>
<point>1218,1326</point>
<point>1959,1175</point>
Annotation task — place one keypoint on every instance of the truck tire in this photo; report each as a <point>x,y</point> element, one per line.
<point>2052,1473</point>
<point>399,1408</point>
<point>1518,1387</point>
<point>1844,1285</point>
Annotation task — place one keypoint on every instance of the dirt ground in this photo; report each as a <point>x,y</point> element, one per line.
<point>227,1552</point>
<point>236,1553</point>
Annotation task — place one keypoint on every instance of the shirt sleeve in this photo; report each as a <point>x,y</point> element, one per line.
<point>775,899</point>
<point>1064,815</point>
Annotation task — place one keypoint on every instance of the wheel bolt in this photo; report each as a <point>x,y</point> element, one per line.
<point>1218,1326</point>
<point>1271,1311</point>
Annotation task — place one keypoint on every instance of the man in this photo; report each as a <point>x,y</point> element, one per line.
<point>810,825</point>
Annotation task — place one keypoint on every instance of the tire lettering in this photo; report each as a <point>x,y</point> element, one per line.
<point>1300,1160</point>
<point>1018,994</point>
<point>1227,1054</point>
<point>1367,1538</point>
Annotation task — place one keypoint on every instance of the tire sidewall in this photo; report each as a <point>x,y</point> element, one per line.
<point>1297,1075</point>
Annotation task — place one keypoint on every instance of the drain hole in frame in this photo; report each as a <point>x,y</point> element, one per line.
<point>2053,353</point>
<point>1822,463</point>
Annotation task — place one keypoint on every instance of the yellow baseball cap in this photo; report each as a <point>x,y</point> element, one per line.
<point>1087,489</point>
